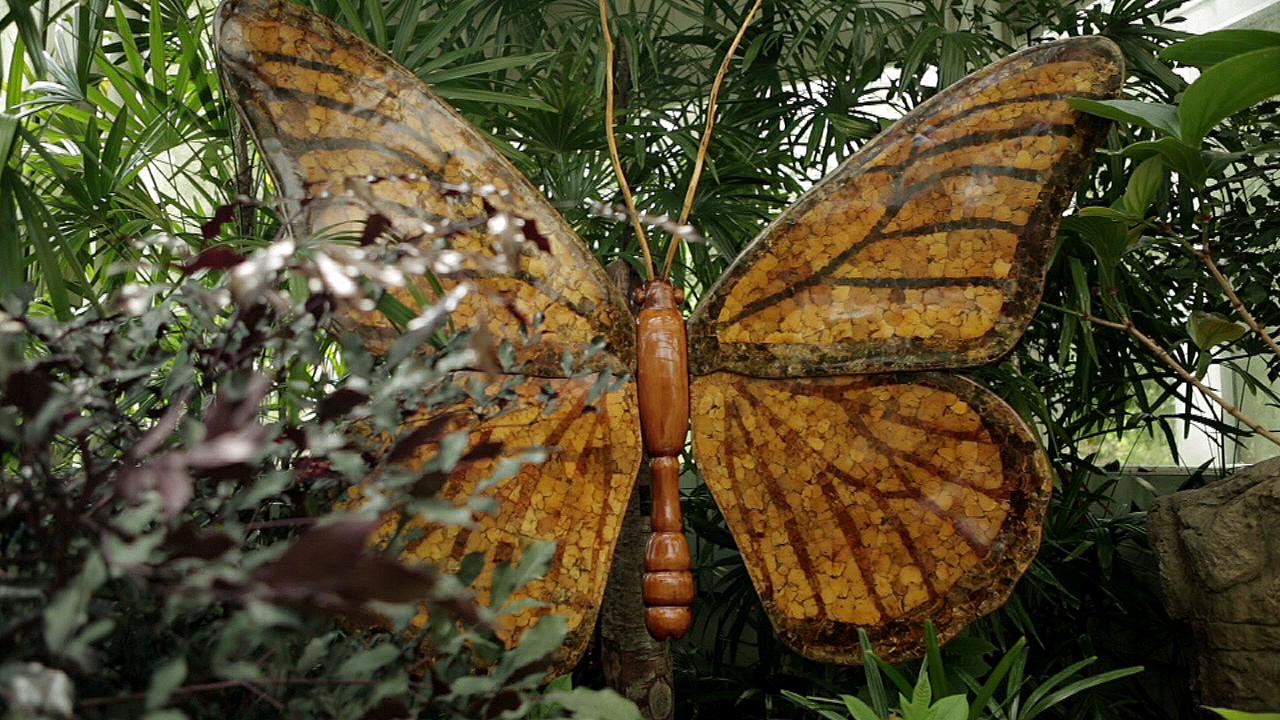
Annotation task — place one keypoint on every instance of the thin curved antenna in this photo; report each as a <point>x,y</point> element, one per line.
<point>613,141</point>
<point>698,162</point>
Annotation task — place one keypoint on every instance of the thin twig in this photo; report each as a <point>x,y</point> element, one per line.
<point>1207,258</point>
<point>1128,326</point>
<point>613,141</point>
<point>701,158</point>
<point>227,685</point>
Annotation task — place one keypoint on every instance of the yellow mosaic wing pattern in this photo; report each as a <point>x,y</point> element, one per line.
<point>577,497</point>
<point>326,109</point>
<point>873,501</point>
<point>927,248</point>
<point>866,499</point>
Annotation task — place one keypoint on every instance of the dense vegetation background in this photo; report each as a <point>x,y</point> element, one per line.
<point>173,412</point>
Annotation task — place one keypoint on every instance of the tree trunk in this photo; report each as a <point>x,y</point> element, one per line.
<point>635,665</point>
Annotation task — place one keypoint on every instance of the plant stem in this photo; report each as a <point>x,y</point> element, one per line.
<point>1182,372</point>
<point>227,685</point>
<point>1207,258</point>
<point>612,140</point>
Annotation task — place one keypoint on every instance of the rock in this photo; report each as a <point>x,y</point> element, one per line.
<point>1219,554</point>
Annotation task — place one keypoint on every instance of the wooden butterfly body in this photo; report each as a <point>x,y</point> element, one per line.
<point>866,486</point>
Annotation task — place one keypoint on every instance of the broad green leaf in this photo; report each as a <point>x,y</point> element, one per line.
<point>164,680</point>
<point>314,653</point>
<point>534,563</point>
<point>858,709</point>
<point>1227,88</point>
<point>1215,47</point>
<point>1106,235</point>
<point>1154,116</point>
<point>595,704</point>
<point>917,707</point>
<point>366,662</point>
<point>1210,329</point>
<point>470,568</point>
<point>537,644</point>
<point>952,707</point>
<point>45,692</point>
<point>1144,184</point>
<point>69,609</point>
<point>1106,213</point>
<point>1182,158</point>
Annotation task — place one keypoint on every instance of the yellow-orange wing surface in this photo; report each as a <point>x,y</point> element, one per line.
<point>327,108</point>
<point>862,496</point>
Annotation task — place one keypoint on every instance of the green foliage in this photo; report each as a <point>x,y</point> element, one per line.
<point>1242,715</point>
<point>1005,692</point>
<point>178,533</point>
<point>1200,196</point>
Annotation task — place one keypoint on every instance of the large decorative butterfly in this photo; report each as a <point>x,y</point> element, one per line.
<point>866,486</point>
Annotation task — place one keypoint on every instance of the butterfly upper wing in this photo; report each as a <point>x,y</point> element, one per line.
<point>878,501</point>
<point>327,109</point>
<point>928,247</point>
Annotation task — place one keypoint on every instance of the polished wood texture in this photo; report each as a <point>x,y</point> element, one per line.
<point>863,491</point>
<point>662,380</point>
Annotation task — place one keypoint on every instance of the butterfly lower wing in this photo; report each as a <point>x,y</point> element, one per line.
<point>577,497</point>
<point>927,248</point>
<point>871,502</point>
<point>327,110</point>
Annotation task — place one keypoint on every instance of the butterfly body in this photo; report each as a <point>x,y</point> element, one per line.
<point>662,382</point>
<point>867,486</point>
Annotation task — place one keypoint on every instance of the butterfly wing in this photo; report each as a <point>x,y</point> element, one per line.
<point>327,109</point>
<point>871,502</point>
<point>928,247</point>
<point>577,497</point>
<point>879,501</point>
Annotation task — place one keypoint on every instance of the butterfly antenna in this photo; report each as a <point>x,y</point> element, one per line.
<point>701,158</point>
<point>613,141</point>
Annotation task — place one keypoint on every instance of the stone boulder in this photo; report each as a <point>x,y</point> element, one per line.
<point>1219,554</point>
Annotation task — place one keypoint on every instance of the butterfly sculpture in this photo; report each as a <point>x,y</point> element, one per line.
<point>866,484</point>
